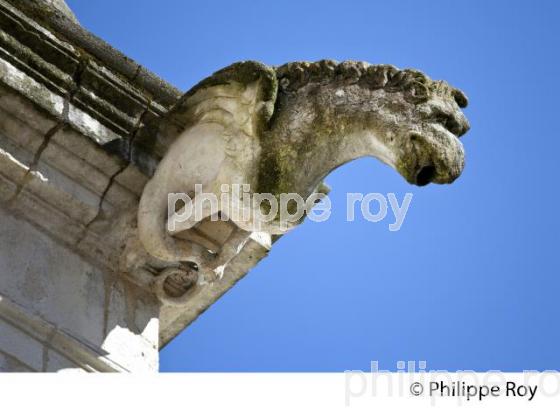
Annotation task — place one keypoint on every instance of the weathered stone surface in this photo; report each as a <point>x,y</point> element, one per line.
<point>61,6</point>
<point>37,15</point>
<point>81,80</point>
<point>281,131</point>
<point>68,201</point>
<point>80,136</point>
<point>11,364</point>
<point>21,349</point>
<point>114,318</point>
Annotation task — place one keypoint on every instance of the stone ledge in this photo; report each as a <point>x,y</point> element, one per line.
<point>63,27</point>
<point>48,337</point>
<point>81,80</point>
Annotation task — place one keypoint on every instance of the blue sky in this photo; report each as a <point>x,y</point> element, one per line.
<point>472,279</point>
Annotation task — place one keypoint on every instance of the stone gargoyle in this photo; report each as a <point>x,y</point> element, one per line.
<point>283,129</point>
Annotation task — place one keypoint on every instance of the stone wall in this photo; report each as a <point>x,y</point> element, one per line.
<point>78,141</point>
<point>62,295</point>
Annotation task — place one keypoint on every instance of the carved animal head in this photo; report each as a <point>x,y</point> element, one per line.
<point>402,117</point>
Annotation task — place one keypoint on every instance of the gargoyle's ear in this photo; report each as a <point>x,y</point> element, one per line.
<point>243,92</point>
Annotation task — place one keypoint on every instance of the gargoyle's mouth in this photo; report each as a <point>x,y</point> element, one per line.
<point>425,175</point>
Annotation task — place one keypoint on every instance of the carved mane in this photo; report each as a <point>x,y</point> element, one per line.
<point>417,86</point>
<point>288,78</point>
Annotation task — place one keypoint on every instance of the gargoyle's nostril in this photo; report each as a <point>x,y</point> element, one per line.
<point>425,175</point>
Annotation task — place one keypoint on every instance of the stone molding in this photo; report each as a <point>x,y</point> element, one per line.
<point>79,140</point>
<point>85,83</point>
<point>49,337</point>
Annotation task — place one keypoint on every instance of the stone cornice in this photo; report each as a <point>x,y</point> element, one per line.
<point>69,31</point>
<point>112,99</point>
